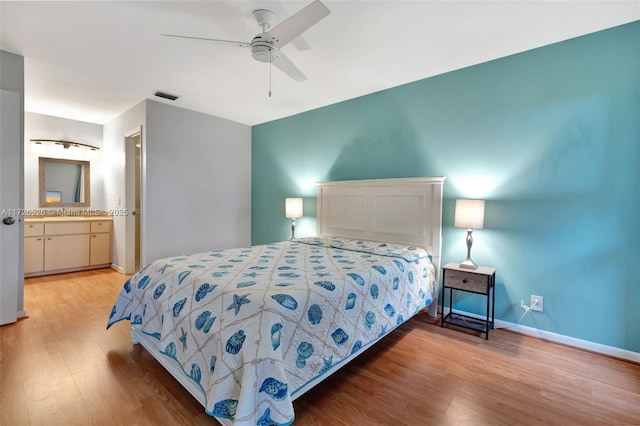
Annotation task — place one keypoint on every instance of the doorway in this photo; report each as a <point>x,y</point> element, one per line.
<point>133,149</point>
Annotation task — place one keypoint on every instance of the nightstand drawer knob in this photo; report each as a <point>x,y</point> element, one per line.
<point>464,280</point>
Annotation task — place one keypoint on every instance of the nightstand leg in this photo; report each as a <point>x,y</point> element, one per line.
<point>488,324</point>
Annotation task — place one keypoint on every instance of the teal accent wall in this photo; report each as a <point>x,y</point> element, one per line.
<point>549,137</point>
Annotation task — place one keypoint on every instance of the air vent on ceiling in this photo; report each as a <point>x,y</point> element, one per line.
<point>165,95</point>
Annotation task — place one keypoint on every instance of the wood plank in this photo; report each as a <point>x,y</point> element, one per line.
<point>61,365</point>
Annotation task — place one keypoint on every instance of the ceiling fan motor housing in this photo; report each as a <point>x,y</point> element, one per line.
<point>262,50</point>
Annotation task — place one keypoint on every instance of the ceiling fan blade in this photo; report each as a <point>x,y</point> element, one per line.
<point>298,23</point>
<point>215,40</point>
<point>285,65</point>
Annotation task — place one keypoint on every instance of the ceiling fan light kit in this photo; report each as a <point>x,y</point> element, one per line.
<point>265,47</point>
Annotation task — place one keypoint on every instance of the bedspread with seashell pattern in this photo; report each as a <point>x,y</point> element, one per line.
<point>252,326</point>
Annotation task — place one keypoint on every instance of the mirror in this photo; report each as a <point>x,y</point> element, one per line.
<point>64,183</point>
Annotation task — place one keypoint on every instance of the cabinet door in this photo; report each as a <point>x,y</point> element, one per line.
<point>33,254</point>
<point>100,249</point>
<point>66,251</point>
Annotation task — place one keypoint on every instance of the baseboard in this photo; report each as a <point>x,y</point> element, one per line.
<point>117,268</point>
<point>560,338</point>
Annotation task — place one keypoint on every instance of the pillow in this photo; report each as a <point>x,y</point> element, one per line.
<point>408,253</point>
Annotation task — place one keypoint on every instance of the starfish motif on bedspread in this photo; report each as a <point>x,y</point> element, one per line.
<point>238,301</point>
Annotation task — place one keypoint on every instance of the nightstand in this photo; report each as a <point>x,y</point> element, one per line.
<point>480,281</point>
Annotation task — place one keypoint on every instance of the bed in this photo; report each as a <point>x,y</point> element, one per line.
<point>246,331</point>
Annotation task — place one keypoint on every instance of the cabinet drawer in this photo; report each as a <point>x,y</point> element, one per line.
<point>100,226</point>
<point>467,281</point>
<point>65,228</point>
<point>33,229</point>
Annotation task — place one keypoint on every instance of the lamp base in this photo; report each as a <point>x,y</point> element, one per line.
<point>465,266</point>
<point>468,264</point>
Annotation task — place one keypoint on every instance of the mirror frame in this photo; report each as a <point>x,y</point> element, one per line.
<point>86,170</point>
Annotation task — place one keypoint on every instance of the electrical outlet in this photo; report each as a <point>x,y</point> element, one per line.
<point>536,303</point>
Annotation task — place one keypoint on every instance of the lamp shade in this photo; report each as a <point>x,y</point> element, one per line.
<point>469,214</point>
<point>293,208</point>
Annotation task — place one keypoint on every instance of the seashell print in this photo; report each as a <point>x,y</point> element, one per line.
<point>389,310</point>
<point>265,419</point>
<point>289,275</point>
<point>322,274</point>
<point>319,268</point>
<point>400,320</point>
<point>291,262</point>
<point>196,266</point>
<point>425,272</point>
<point>399,265</point>
<point>283,284</point>
<point>275,335</point>
<point>155,335</point>
<point>421,294</point>
<point>305,350</point>
<point>328,363</point>
<point>195,373</point>
<point>225,266</point>
<point>225,408</point>
<point>219,274</point>
<point>356,346</point>
<point>202,319</point>
<point>159,290</point>
<point>285,268</point>
<point>170,350</point>
<point>212,364</point>
<point>137,319</point>
<point>408,300</point>
<point>286,301</point>
<point>357,278</point>
<point>144,281</point>
<point>177,259</point>
<point>215,254</point>
<point>274,388</point>
<point>428,302</point>
<point>203,290</point>
<point>410,277</point>
<point>339,336</point>
<point>369,319</point>
<point>127,286</point>
<point>396,283</point>
<point>315,314</point>
<point>383,245</point>
<point>246,284</point>
<point>328,285</point>
<point>234,344</point>
<point>113,312</point>
<point>258,268</point>
<point>234,260</point>
<point>182,276</point>
<point>183,339</point>
<point>380,269</point>
<point>374,291</point>
<point>351,301</point>
<point>383,331</point>
<point>208,324</point>
<point>177,307</point>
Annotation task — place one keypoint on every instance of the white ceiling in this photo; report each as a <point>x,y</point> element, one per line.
<point>92,60</point>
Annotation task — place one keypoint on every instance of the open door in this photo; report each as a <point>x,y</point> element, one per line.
<point>11,208</point>
<point>133,149</point>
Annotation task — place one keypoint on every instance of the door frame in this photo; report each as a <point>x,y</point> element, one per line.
<point>130,202</point>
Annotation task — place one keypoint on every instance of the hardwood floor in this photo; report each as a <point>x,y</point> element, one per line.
<point>60,366</point>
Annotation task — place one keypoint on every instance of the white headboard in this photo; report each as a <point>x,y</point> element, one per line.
<point>407,210</point>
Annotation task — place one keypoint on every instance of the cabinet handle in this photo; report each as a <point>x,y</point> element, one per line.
<point>39,239</point>
<point>94,235</point>
<point>49,238</point>
<point>464,280</point>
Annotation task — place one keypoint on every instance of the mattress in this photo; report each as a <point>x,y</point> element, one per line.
<point>253,326</point>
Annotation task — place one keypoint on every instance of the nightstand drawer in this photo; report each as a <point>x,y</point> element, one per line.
<point>467,281</point>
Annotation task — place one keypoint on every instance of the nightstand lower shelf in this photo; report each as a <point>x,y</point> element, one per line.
<point>467,321</point>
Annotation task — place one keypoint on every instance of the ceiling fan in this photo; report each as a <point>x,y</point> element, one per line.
<point>265,47</point>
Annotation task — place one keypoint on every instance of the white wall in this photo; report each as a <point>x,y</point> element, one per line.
<point>115,175</point>
<point>39,126</point>
<point>197,191</point>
